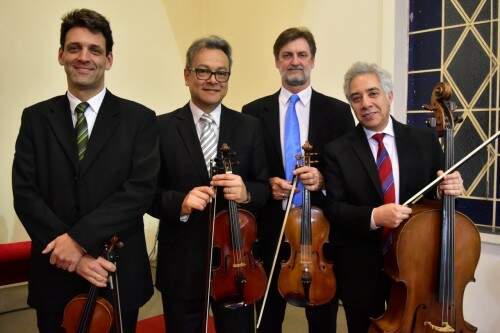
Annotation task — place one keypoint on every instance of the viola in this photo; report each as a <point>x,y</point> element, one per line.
<point>88,313</point>
<point>238,279</point>
<point>306,278</point>
<point>434,253</point>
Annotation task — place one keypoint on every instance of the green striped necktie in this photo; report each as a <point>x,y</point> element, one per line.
<point>82,133</point>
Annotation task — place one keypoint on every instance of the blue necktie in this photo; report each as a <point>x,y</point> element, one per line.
<point>292,145</point>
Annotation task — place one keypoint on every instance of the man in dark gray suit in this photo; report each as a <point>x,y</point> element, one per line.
<point>84,170</point>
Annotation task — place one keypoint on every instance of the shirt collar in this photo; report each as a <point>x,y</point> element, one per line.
<point>388,130</point>
<point>304,95</point>
<point>94,102</point>
<point>197,113</point>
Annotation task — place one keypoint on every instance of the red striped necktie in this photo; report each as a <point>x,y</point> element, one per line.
<point>384,167</point>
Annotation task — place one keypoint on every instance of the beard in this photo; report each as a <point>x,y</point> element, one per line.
<point>296,78</point>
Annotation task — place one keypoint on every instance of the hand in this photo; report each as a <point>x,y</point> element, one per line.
<point>390,215</point>
<point>280,188</point>
<point>66,253</point>
<point>311,178</point>
<point>95,270</point>
<point>451,184</point>
<point>234,187</point>
<point>197,199</point>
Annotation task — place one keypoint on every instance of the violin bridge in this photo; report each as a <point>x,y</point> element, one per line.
<point>445,328</point>
<point>238,265</point>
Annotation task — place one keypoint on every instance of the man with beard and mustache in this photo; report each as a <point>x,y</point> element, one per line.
<point>291,116</point>
<point>84,170</point>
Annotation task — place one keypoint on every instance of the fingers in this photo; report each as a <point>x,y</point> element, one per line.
<point>49,247</point>
<point>197,199</point>
<point>311,177</point>
<point>390,215</point>
<point>280,188</point>
<point>95,270</point>
<point>452,184</point>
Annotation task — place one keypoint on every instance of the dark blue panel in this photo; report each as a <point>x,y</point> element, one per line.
<point>479,211</point>
<point>418,119</point>
<point>420,89</point>
<point>424,51</point>
<point>424,14</point>
<point>451,15</point>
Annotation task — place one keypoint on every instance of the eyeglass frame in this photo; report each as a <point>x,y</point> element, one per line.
<point>214,73</point>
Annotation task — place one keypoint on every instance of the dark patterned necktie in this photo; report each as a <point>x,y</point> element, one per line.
<point>82,134</point>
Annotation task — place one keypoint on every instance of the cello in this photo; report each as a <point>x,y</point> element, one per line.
<point>88,313</point>
<point>434,254</point>
<point>306,278</point>
<point>238,280</point>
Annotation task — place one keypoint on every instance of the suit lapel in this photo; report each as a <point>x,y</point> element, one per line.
<point>105,124</point>
<point>272,121</point>
<point>227,125</point>
<point>362,149</point>
<point>315,121</point>
<point>187,131</point>
<point>403,147</point>
<point>62,125</point>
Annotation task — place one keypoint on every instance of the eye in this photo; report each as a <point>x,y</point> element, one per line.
<point>96,50</point>
<point>72,48</point>
<point>203,71</point>
<point>374,93</point>
<point>355,98</point>
<point>222,73</point>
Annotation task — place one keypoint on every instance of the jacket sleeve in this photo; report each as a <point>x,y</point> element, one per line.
<point>38,219</point>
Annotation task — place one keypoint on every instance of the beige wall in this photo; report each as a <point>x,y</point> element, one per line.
<point>150,41</point>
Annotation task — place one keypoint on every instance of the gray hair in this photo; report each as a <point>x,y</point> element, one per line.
<point>211,42</point>
<point>359,68</point>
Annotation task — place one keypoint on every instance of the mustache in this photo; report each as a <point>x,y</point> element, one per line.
<point>295,67</point>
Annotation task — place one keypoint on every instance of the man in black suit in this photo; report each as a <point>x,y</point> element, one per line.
<point>84,170</point>
<point>188,136</point>
<point>320,119</point>
<point>357,203</point>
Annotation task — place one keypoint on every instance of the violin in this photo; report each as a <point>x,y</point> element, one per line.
<point>434,253</point>
<point>88,313</point>
<point>306,278</point>
<point>238,279</point>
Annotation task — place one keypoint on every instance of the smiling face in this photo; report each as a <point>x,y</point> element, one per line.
<point>85,60</point>
<point>295,63</point>
<point>370,103</point>
<point>207,94</point>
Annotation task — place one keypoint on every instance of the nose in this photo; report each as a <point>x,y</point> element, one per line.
<point>212,79</point>
<point>84,54</point>
<point>295,60</point>
<point>365,102</point>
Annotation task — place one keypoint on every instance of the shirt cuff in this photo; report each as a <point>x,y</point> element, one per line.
<point>373,226</point>
<point>184,218</point>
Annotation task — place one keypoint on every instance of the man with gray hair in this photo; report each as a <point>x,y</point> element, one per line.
<point>369,173</point>
<point>189,138</point>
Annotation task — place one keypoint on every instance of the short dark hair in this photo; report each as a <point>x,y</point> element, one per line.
<point>292,34</point>
<point>86,18</point>
<point>211,42</point>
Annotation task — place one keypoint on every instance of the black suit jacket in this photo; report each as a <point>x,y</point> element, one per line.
<point>329,118</point>
<point>353,190</point>
<point>106,193</point>
<point>183,245</point>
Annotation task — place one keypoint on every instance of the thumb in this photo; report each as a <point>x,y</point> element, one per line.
<point>49,247</point>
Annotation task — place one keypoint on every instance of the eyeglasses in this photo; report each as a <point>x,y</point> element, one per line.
<point>206,74</point>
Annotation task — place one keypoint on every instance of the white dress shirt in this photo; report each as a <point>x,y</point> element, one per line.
<point>91,111</point>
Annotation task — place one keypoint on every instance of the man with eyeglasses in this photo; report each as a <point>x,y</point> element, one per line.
<point>189,138</point>
<point>317,118</point>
